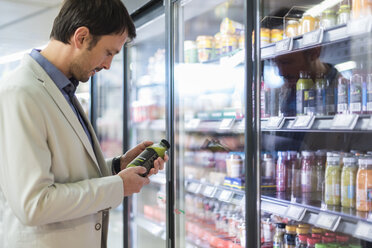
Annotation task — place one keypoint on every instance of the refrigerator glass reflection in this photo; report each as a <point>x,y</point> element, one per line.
<point>109,123</point>
<point>146,68</point>
<point>315,111</point>
<point>209,130</point>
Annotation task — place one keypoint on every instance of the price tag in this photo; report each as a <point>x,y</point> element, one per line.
<point>284,45</point>
<point>275,122</point>
<point>295,212</point>
<point>313,38</point>
<point>359,26</point>
<point>237,198</point>
<point>226,123</point>
<point>225,196</point>
<point>194,188</point>
<point>193,123</point>
<point>344,121</point>
<point>209,191</point>
<point>328,221</point>
<point>363,230</point>
<point>303,122</point>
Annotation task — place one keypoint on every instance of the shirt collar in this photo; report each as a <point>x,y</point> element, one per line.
<point>63,83</point>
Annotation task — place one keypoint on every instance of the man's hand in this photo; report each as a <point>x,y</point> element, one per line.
<point>132,179</point>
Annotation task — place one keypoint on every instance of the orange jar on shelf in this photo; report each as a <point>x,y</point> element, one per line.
<point>364,185</point>
<point>276,35</point>
<point>291,28</point>
<point>205,47</point>
<point>228,43</point>
<point>265,36</point>
<point>307,24</point>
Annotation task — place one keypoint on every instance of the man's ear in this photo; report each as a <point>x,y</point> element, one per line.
<point>80,37</point>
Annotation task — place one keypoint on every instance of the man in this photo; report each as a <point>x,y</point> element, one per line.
<point>57,185</point>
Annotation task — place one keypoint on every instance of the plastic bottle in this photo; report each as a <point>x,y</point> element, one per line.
<point>149,155</point>
<point>268,170</point>
<point>290,236</point>
<point>342,95</point>
<point>308,175</point>
<point>301,232</point>
<point>296,173</point>
<point>369,94</point>
<point>278,240</point>
<point>364,185</point>
<point>330,101</point>
<point>320,94</point>
<point>281,172</point>
<point>320,160</point>
<point>332,181</point>
<point>356,93</point>
<point>348,181</point>
<point>304,84</point>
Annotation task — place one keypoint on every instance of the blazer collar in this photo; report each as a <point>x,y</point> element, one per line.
<point>65,108</point>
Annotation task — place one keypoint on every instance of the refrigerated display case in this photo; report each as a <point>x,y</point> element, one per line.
<point>209,76</point>
<point>314,83</point>
<point>146,85</point>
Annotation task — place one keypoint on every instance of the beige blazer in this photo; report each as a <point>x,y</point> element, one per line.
<point>56,185</point>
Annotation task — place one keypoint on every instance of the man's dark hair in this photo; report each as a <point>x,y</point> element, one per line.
<point>101,17</point>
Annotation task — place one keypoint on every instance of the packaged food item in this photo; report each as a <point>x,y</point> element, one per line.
<point>307,24</point>
<point>356,89</point>
<point>241,40</point>
<point>268,170</point>
<point>320,160</point>
<point>348,181</point>
<point>364,185</point>
<point>278,240</point>
<point>265,36</point>
<point>290,236</point>
<point>205,48</point>
<point>234,165</point>
<point>295,167</point>
<point>191,51</point>
<point>328,19</point>
<point>291,28</point>
<point>149,155</point>
<point>229,26</point>
<point>332,181</point>
<point>320,94</point>
<point>308,174</point>
<point>281,172</point>
<point>228,43</point>
<point>330,101</point>
<point>342,95</point>
<point>276,35</point>
<point>301,232</point>
<point>343,15</point>
<point>304,84</point>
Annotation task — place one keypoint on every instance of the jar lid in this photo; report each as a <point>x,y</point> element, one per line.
<point>316,230</point>
<point>275,30</point>
<point>350,160</point>
<point>329,11</point>
<point>290,228</point>
<point>307,153</point>
<point>365,161</point>
<point>302,230</point>
<point>345,6</point>
<point>333,159</point>
<point>291,22</point>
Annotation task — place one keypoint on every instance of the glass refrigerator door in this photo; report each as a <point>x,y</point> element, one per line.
<point>146,61</point>
<point>109,122</point>
<point>315,123</point>
<point>209,129</point>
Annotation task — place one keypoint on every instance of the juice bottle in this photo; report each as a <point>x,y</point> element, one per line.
<point>330,101</point>
<point>308,176</point>
<point>302,232</point>
<point>290,236</point>
<point>356,93</point>
<point>320,160</point>
<point>364,185</point>
<point>320,94</point>
<point>281,172</point>
<point>278,240</point>
<point>304,84</point>
<point>348,180</point>
<point>369,94</point>
<point>149,155</point>
<point>342,95</point>
<point>295,167</point>
<point>332,181</point>
<point>268,170</point>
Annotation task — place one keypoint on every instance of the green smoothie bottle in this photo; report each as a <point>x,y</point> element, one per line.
<point>304,92</point>
<point>149,155</point>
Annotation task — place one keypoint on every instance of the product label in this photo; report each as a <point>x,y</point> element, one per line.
<point>320,97</point>
<point>330,100</point>
<point>351,191</point>
<point>355,97</point>
<point>146,159</point>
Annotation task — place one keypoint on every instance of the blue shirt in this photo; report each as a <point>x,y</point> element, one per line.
<point>65,85</point>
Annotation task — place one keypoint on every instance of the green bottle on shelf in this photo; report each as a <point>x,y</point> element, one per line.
<point>149,155</point>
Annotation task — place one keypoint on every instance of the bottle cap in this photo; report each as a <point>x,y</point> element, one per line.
<point>280,225</point>
<point>290,228</point>
<point>165,142</point>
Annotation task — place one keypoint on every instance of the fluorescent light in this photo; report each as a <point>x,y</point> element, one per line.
<point>319,8</point>
<point>349,65</point>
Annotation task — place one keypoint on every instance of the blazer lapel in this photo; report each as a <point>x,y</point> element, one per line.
<point>65,108</point>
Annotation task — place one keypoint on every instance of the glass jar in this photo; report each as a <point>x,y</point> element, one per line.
<point>265,36</point>
<point>276,35</point>
<point>328,19</point>
<point>348,180</point>
<point>291,28</point>
<point>281,174</point>
<point>308,173</point>
<point>228,43</point>
<point>307,24</point>
<point>332,181</point>
<point>343,15</point>
<point>205,48</point>
<point>364,185</point>
<point>290,236</point>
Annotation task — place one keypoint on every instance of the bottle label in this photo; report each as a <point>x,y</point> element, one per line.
<point>145,159</point>
<point>330,100</point>
<point>320,101</point>
<point>355,97</point>
<point>311,104</point>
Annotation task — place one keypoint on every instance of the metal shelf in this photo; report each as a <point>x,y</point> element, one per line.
<point>354,30</point>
